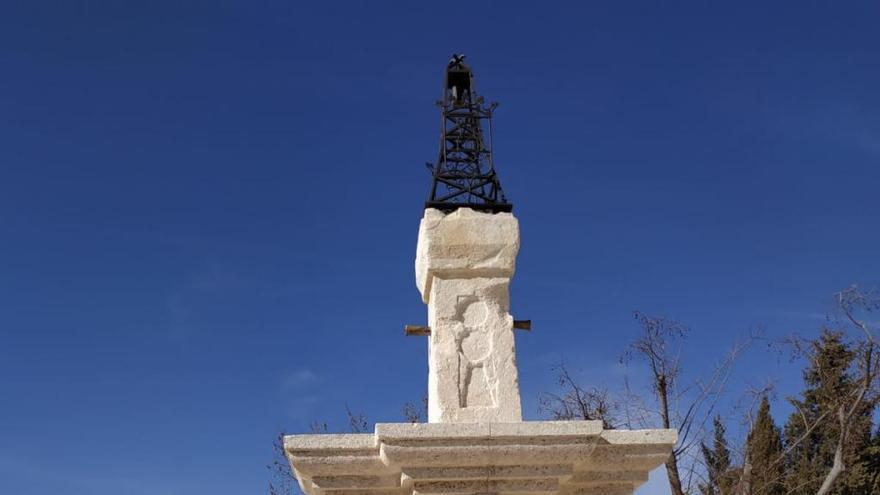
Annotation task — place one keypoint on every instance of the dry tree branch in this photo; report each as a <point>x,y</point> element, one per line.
<point>578,403</point>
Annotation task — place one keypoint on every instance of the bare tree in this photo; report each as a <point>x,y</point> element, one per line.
<point>357,422</point>
<point>659,347</point>
<point>319,427</point>
<point>687,408</point>
<point>282,479</point>
<point>578,403</point>
<point>416,413</point>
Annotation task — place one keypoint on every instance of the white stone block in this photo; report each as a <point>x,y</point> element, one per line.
<point>465,243</point>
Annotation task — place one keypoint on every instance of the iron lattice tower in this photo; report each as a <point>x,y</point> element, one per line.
<point>464,175</point>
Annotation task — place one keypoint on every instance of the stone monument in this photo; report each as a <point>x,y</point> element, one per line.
<point>475,441</point>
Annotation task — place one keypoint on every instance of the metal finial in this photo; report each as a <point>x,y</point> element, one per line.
<point>464,175</point>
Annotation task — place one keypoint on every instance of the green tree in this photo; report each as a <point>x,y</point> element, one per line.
<point>720,478</point>
<point>830,430</point>
<point>872,462</point>
<point>808,456</point>
<point>764,454</point>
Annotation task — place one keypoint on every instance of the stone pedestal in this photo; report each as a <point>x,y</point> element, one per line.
<point>526,458</point>
<point>464,262</point>
<point>475,441</point>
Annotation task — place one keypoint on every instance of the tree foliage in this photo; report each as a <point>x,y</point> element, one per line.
<point>720,475</point>
<point>826,410</point>
<point>763,455</point>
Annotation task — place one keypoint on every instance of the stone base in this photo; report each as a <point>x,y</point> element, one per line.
<point>541,458</point>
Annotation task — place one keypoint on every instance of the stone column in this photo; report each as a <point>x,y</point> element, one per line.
<point>464,263</point>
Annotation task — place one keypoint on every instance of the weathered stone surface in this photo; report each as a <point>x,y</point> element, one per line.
<point>547,457</point>
<point>464,262</point>
<point>465,243</point>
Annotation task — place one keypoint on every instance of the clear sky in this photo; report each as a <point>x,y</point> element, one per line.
<point>208,210</point>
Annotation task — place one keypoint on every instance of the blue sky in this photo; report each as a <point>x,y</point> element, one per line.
<point>208,210</point>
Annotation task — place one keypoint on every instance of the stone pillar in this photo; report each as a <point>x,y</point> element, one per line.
<point>464,263</point>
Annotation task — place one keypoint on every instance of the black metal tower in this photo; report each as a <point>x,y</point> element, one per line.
<point>464,175</point>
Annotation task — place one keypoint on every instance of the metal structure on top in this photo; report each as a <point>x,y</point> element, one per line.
<point>464,175</point>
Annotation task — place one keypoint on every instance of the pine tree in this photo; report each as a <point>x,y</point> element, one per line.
<point>872,462</point>
<point>764,451</point>
<point>719,480</point>
<point>868,465</point>
<point>811,432</point>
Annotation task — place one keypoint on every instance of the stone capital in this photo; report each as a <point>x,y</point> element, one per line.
<point>465,244</point>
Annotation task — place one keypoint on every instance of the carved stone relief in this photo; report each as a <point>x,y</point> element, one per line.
<point>477,384</point>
